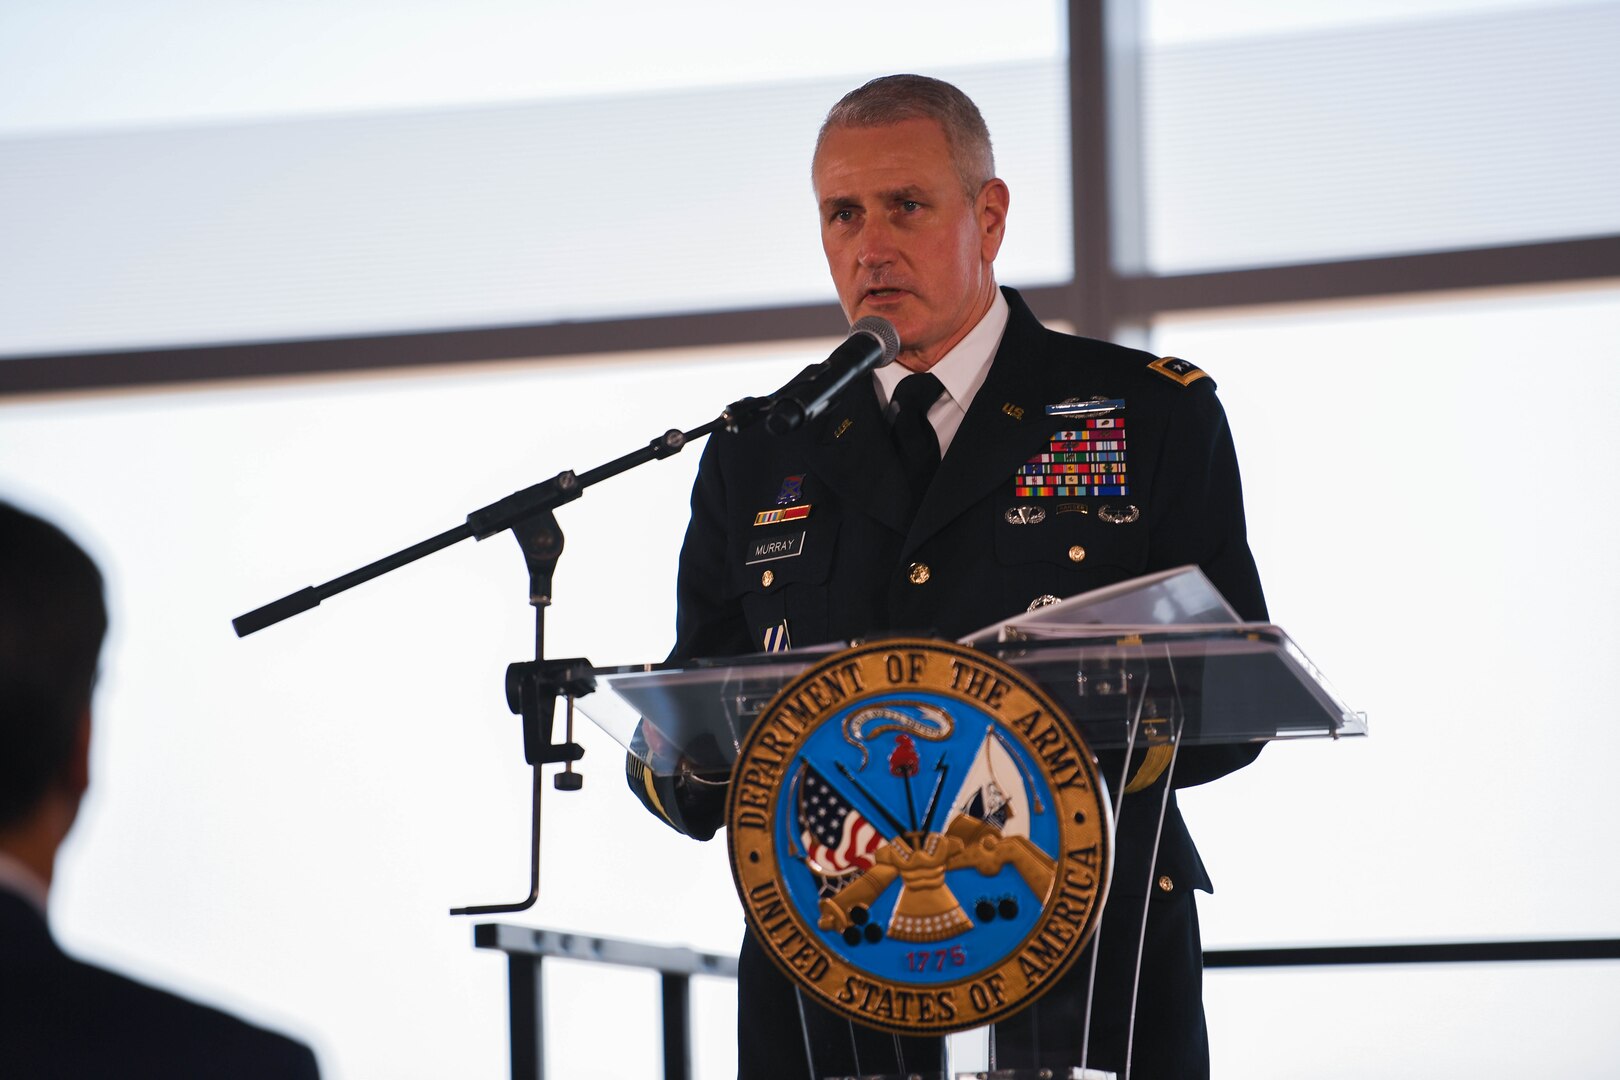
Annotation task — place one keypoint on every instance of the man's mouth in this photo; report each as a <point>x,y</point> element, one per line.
<point>883,293</point>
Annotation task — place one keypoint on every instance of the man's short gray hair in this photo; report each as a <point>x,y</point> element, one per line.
<point>893,98</point>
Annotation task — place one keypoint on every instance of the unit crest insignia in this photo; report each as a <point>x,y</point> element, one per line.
<point>919,836</point>
<point>792,490</point>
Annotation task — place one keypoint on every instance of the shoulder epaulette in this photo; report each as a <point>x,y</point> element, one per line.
<point>1178,370</point>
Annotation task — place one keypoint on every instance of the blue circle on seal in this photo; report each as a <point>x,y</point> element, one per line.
<point>918,836</point>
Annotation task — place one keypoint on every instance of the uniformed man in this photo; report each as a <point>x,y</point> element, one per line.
<point>944,496</point>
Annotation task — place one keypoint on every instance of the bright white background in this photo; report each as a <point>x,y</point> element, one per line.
<point>1430,504</point>
<point>280,823</point>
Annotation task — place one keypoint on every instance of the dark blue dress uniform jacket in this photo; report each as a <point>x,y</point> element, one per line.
<point>855,574</point>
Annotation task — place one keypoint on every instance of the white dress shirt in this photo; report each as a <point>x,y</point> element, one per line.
<point>962,371</point>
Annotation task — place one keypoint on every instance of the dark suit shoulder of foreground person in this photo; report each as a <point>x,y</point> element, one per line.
<point>63,1018</point>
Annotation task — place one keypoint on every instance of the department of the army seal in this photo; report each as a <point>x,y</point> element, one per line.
<point>919,836</point>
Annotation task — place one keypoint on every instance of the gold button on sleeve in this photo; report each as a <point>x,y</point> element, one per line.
<point>766,578</point>
<point>919,573</point>
<point>1077,553</point>
<point>1166,884</point>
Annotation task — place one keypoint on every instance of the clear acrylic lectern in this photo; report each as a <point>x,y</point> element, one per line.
<point>1155,664</point>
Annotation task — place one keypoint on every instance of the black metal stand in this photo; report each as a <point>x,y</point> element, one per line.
<point>525,948</point>
<point>1072,1073</point>
<point>532,689</point>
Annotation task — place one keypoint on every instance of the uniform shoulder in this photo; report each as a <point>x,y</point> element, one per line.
<point>1148,369</point>
<point>1118,363</point>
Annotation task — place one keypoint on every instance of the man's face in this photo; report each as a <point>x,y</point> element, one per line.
<point>903,240</point>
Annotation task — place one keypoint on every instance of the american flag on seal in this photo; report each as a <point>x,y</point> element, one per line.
<point>838,840</point>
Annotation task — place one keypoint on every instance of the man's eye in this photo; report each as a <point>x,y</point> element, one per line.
<point>843,215</point>
<point>910,206</point>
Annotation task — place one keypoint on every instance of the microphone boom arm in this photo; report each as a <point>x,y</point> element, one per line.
<point>533,687</point>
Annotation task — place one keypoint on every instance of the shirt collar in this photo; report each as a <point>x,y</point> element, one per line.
<point>15,877</point>
<point>962,370</point>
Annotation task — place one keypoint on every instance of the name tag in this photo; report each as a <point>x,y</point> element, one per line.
<point>775,547</point>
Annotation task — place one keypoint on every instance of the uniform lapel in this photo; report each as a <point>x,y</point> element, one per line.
<point>1003,428</point>
<point>852,452</point>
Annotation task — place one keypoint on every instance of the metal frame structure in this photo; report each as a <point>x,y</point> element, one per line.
<point>526,948</point>
<point>1111,295</point>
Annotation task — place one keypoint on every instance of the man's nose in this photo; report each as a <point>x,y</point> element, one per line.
<point>877,245</point>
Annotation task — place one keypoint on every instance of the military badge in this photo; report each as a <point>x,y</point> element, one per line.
<point>774,517</point>
<point>1087,459</point>
<point>1025,515</point>
<point>777,638</point>
<point>1119,515</point>
<point>919,836</point>
<point>792,490</point>
<point>1097,406</point>
<point>1178,370</point>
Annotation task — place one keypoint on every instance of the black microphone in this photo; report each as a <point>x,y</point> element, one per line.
<point>872,342</point>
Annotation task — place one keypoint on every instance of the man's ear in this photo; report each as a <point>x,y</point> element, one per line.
<point>990,208</point>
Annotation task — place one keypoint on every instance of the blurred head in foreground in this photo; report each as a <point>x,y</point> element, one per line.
<point>52,622</point>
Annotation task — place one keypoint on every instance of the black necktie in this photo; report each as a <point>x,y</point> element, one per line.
<point>914,438</point>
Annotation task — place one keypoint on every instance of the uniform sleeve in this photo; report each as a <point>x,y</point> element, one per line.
<point>687,802</point>
<point>708,622</point>
<point>1201,522</point>
<point>1200,514</point>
